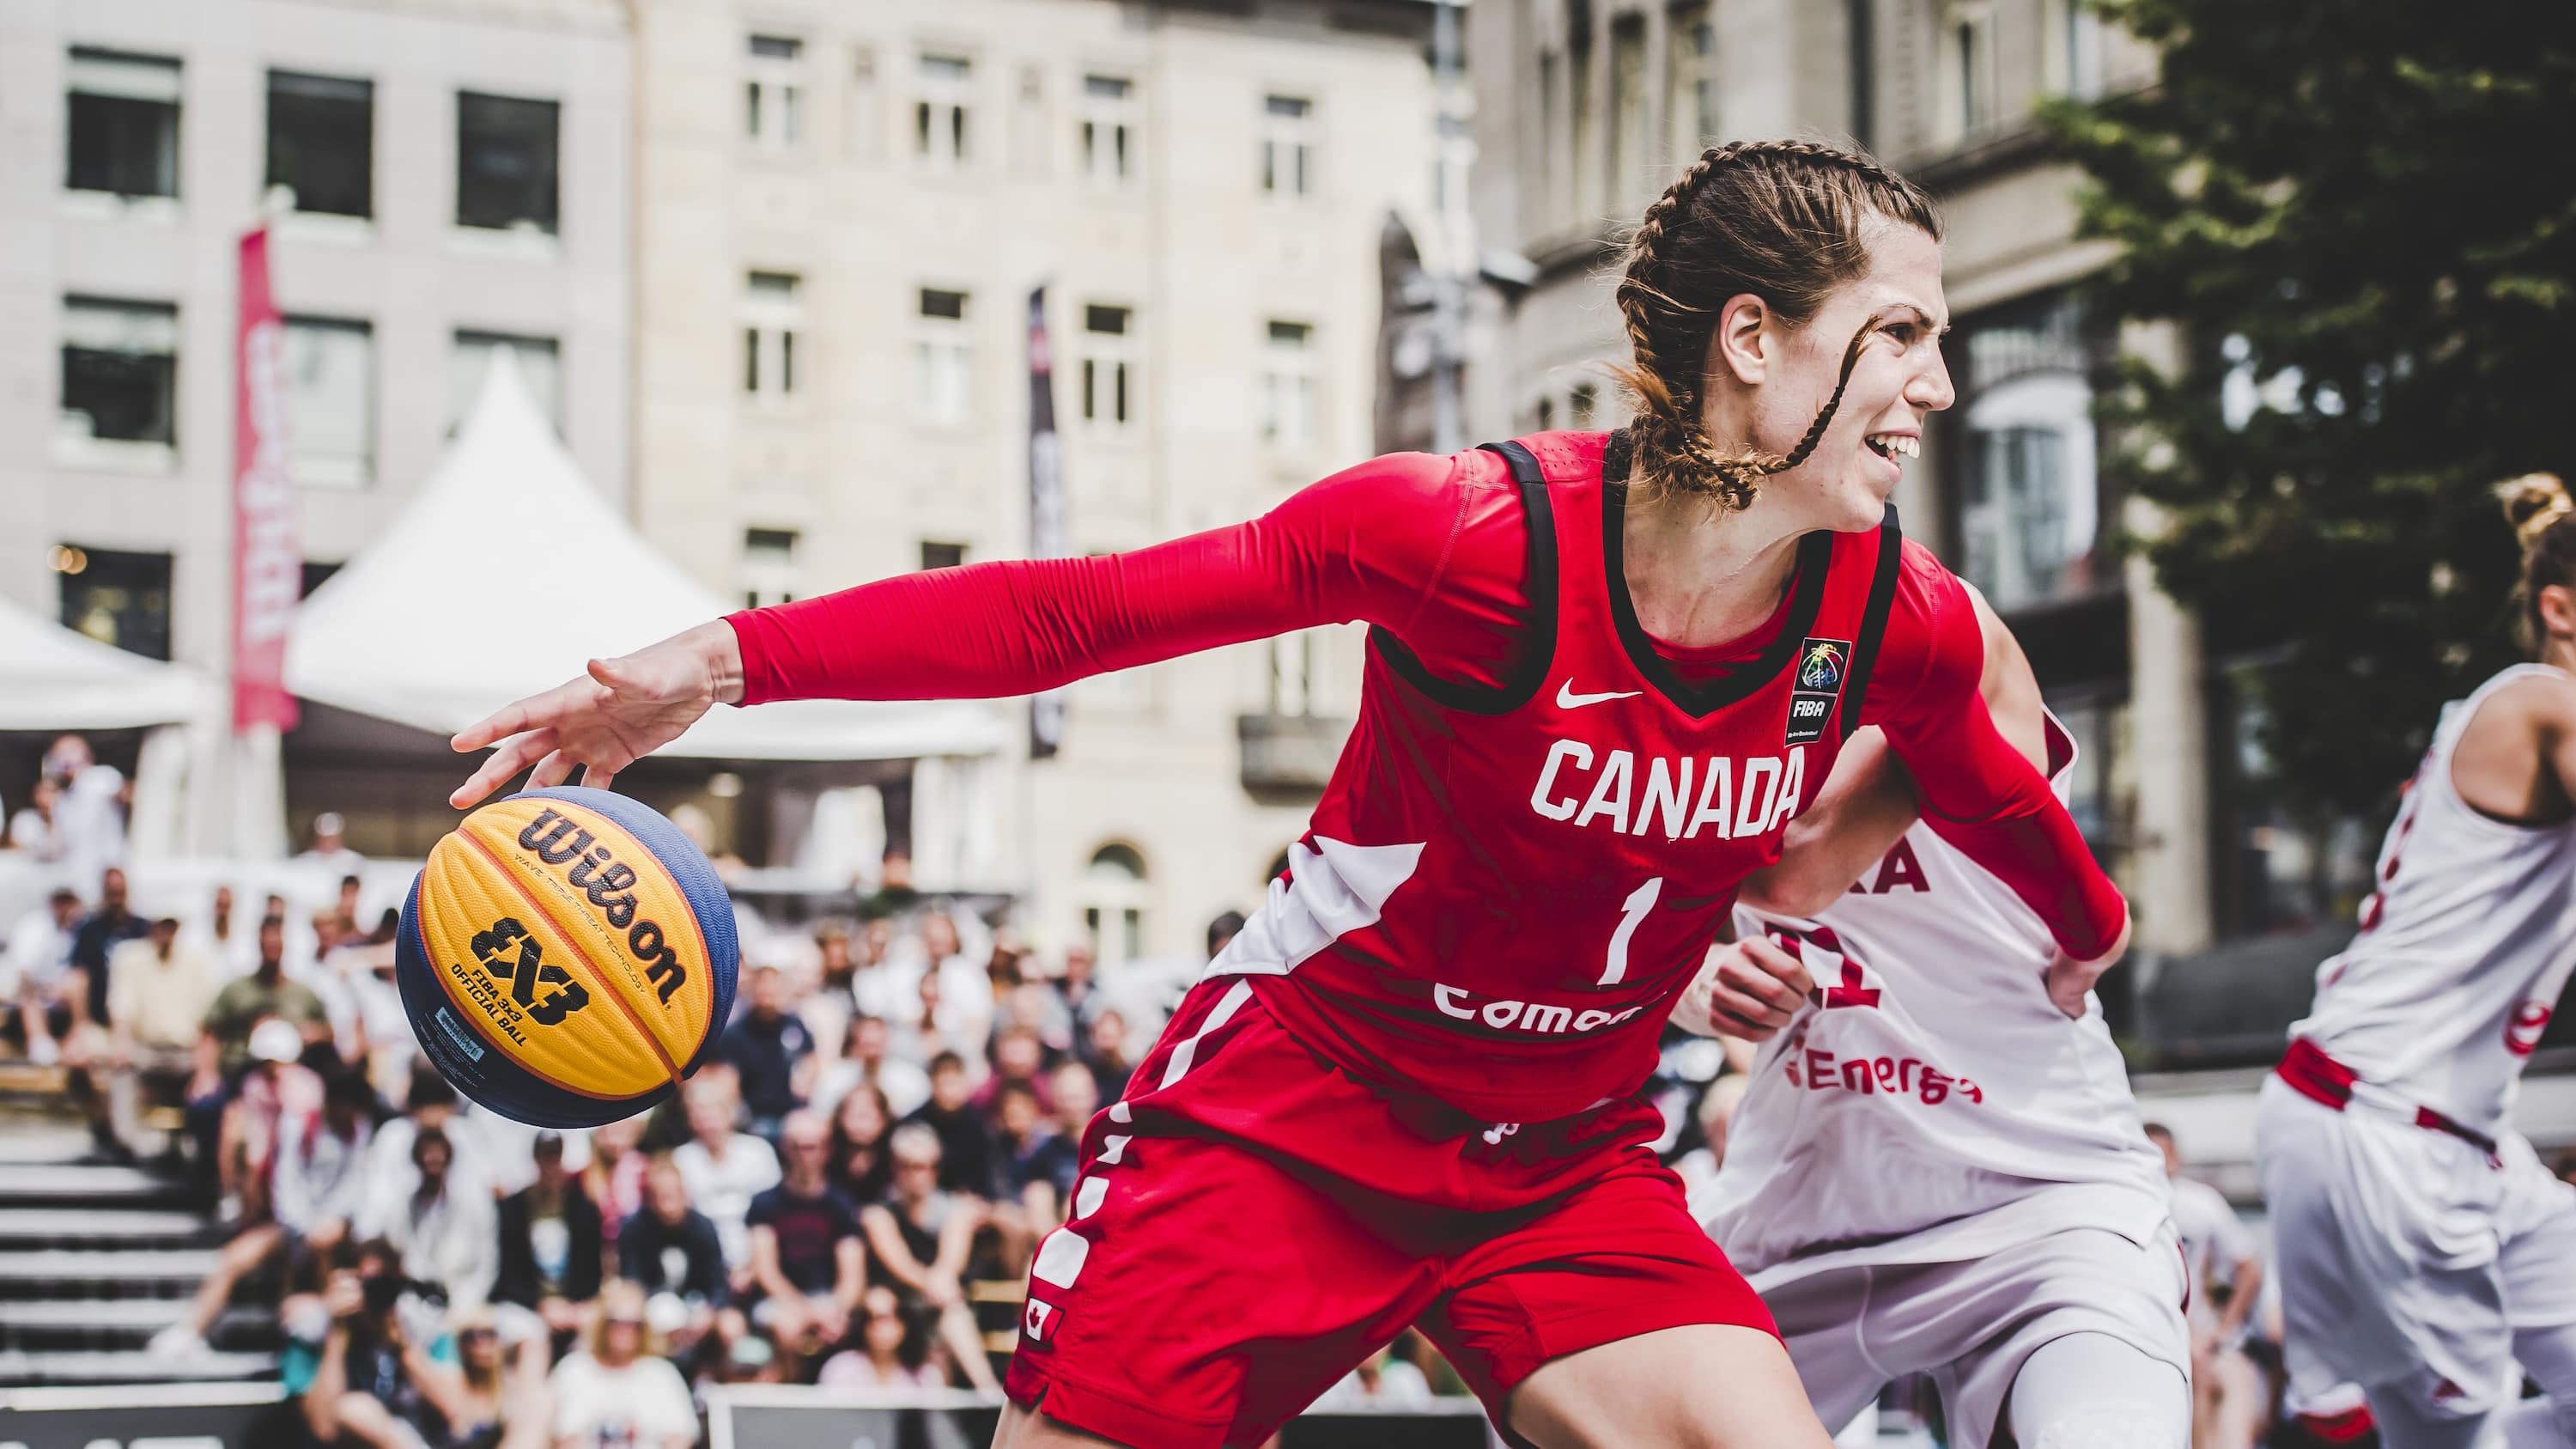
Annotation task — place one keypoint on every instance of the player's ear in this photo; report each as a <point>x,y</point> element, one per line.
<point>2558,610</point>
<point>1736,348</point>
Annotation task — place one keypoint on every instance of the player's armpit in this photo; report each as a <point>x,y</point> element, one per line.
<point>1866,806</point>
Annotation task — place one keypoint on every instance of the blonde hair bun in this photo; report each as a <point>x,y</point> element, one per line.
<point>2532,503</point>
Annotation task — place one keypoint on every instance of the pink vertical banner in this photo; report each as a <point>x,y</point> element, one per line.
<point>268,564</point>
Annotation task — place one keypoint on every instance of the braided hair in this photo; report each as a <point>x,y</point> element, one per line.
<point>2537,506</point>
<point>1779,219</point>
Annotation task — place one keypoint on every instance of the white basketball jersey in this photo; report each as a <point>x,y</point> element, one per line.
<point>1930,1095</point>
<point>2463,949</point>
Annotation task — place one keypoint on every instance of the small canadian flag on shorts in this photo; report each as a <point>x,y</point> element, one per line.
<point>1036,1320</point>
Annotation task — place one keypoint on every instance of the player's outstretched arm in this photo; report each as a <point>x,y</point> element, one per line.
<point>1369,543</point>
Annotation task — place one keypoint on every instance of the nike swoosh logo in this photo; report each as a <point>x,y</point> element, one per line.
<point>1566,698</point>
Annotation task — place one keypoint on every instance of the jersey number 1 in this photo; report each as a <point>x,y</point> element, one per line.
<point>1632,910</point>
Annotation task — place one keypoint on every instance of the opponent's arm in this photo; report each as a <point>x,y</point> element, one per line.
<point>1982,794</point>
<point>1386,542</point>
<point>1869,802</point>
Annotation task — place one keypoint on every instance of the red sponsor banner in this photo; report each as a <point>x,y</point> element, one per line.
<point>268,564</point>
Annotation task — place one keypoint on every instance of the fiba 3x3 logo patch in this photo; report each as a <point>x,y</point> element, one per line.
<point>1822,663</point>
<point>515,976</point>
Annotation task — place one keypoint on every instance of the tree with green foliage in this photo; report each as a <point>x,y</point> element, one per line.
<point>2360,218</point>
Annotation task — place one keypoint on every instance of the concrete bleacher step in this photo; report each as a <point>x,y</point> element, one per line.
<point>135,1228</point>
<point>98,1187</point>
<point>76,1325</point>
<point>144,1272</point>
<point>130,1366</point>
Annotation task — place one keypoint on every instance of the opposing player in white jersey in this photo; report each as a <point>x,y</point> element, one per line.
<point>1938,1166</point>
<point>2422,1248</point>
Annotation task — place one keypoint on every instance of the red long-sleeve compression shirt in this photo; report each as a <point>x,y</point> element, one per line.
<point>1435,550</point>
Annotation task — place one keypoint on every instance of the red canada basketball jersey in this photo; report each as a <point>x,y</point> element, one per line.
<point>1502,889</point>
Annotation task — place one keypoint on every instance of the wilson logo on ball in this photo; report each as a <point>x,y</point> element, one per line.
<point>608,884</point>
<point>510,954</point>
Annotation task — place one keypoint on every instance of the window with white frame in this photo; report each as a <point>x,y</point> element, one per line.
<point>2028,493</point>
<point>1287,146</point>
<point>321,141</point>
<point>540,363</point>
<point>1690,94</point>
<point>942,110</point>
<point>2072,33</point>
<point>1292,673</point>
<point>773,93</point>
<point>773,316</point>
<point>123,124</point>
<point>1108,366</point>
<point>943,360</point>
<point>1116,895</point>
<point>1967,72</point>
<point>1630,164</point>
<point>863,111</point>
<point>1288,420</point>
<point>506,162</point>
<point>1109,129</point>
<point>120,383</point>
<point>768,567</point>
<point>331,401</point>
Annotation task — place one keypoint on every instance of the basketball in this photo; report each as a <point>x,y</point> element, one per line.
<point>566,956</point>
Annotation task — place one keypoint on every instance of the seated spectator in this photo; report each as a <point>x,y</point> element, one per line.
<point>330,858</point>
<point>1107,1054</point>
<point>1037,1166</point>
<point>615,1177</point>
<point>447,1237</point>
<point>828,1008</point>
<point>267,993</point>
<point>314,1192</point>
<point>274,1092</point>
<point>361,1383</point>
<point>770,1051</point>
<point>225,938</point>
<point>807,1263</point>
<point>94,939</point>
<point>1077,994</point>
<point>864,1059</point>
<point>725,1170</point>
<point>429,1103</point>
<point>880,986</point>
<point>158,992</point>
<point>89,819</point>
<point>890,1353</point>
<point>616,1396</point>
<point>1019,1060</point>
<point>38,969</point>
<point>966,1148</point>
<point>550,1245</point>
<point>34,829</point>
<point>861,1167</point>
<point>669,1249</point>
<point>920,1236</point>
<point>494,1396</point>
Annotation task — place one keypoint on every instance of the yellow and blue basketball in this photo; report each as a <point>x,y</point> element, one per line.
<point>567,956</point>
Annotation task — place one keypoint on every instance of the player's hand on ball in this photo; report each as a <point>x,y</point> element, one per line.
<point>614,714</point>
<point>2070,980</point>
<point>1749,990</point>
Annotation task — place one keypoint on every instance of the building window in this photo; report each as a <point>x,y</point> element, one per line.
<point>331,401</point>
<point>116,598</point>
<point>1690,98</point>
<point>942,555</point>
<point>1583,168</point>
<point>1287,146</point>
<point>2029,502</point>
<point>1288,421</point>
<point>1549,108</point>
<point>864,109</point>
<point>773,314</point>
<point>768,567</point>
<point>120,383</point>
<point>939,116</point>
<point>2072,33</point>
<point>1109,129</point>
<point>124,124</point>
<point>943,360</point>
<point>1115,897</point>
<point>1108,365</point>
<point>540,361</point>
<point>773,93</point>
<point>1629,161</point>
<point>1967,61</point>
<point>505,162</point>
<point>1862,23</point>
<point>321,142</point>
<point>1292,673</point>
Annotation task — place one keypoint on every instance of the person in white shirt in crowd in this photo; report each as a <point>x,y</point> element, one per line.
<point>890,1353</point>
<point>33,828</point>
<point>2231,1398</point>
<point>828,1006</point>
<point>429,1104</point>
<point>864,1062</point>
<point>448,1233</point>
<point>224,936</point>
<point>616,1395</point>
<point>33,974</point>
<point>158,990</point>
<point>724,1169</point>
<point>955,1014</point>
<point>330,859</point>
<point>89,819</point>
<point>317,1185</point>
<point>880,985</point>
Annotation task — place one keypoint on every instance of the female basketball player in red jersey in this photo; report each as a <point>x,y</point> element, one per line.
<point>1605,672</point>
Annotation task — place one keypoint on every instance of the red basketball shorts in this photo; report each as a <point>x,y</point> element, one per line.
<point>1251,1223</point>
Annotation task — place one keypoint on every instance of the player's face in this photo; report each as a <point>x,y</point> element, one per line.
<point>1898,381</point>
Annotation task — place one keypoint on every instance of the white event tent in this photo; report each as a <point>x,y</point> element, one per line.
<point>52,678</point>
<point>507,570</point>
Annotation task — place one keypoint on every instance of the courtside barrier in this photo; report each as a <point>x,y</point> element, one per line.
<point>784,1416</point>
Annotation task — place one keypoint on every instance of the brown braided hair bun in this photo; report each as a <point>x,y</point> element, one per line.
<point>1778,219</point>
<point>2537,506</point>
